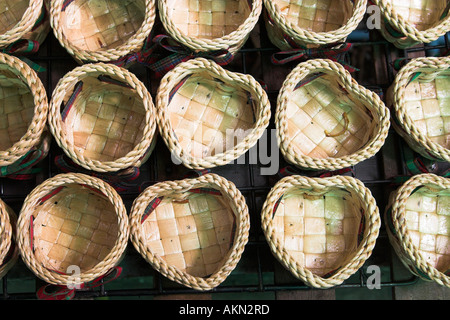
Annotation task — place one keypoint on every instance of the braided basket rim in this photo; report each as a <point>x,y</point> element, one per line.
<point>228,189</point>
<point>311,37</point>
<point>397,95</point>
<point>173,77</point>
<point>371,99</point>
<point>5,266</point>
<point>364,251</point>
<point>401,24</point>
<point>111,260</point>
<point>133,44</point>
<point>398,213</point>
<point>135,156</point>
<point>231,41</point>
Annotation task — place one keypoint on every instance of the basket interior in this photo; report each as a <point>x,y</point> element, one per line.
<point>11,12</point>
<point>106,119</point>
<point>194,234</point>
<point>101,24</point>
<point>428,224</point>
<point>427,103</point>
<point>320,231</point>
<point>318,15</point>
<point>422,14</point>
<point>208,19</point>
<point>74,226</point>
<point>16,107</point>
<point>210,116</point>
<point>323,121</point>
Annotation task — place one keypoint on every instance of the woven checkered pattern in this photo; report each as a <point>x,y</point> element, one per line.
<point>16,108</point>
<point>427,104</point>
<point>317,16</point>
<point>193,235</point>
<point>428,223</point>
<point>93,25</point>
<point>422,14</point>
<point>11,12</point>
<point>208,19</point>
<point>76,226</point>
<point>323,123</point>
<point>319,232</point>
<point>106,120</point>
<point>202,111</point>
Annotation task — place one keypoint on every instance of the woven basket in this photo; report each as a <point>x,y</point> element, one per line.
<point>206,26</point>
<point>418,99</point>
<point>102,30</point>
<point>24,110</point>
<point>69,221</point>
<point>408,23</point>
<point>102,116</point>
<point>9,252</point>
<point>23,19</point>
<point>325,120</point>
<point>292,24</point>
<point>193,231</point>
<point>321,229</point>
<point>203,107</point>
<point>418,225</point>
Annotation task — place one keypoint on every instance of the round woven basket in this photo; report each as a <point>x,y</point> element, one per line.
<point>206,26</point>
<point>292,24</point>
<point>418,99</point>
<point>102,116</point>
<point>72,222</point>
<point>408,23</point>
<point>209,116</point>
<point>418,225</point>
<point>102,30</point>
<point>9,252</point>
<point>325,120</point>
<point>23,19</point>
<point>24,110</point>
<point>321,229</point>
<point>193,231</point>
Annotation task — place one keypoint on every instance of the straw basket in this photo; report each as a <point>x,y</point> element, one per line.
<point>72,222</point>
<point>209,116</point>
<point>23,20</point>
<point>321,229</point>
<point>408,23</point>
<point>293,24</point>
<point>102,116</point>
<point>193,231</point>
<point>208,26</point>
<point>325,120</point>
<point>418,224</point>
<point>102,30</point>
<point>24,110</point>
<point>418,98</point>
<point>9,252</point>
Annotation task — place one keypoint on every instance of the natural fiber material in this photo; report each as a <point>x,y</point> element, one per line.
<point>72,221</point>
<point>209,116</point>
<point>419,101</point>
<point>418,225</point>
<point>23,19</point>
<point>210,25</point>
<point>292,24</point>
<point>102,116</point>
<point>23,109</point>
<point>193,231</point>
<point>321,229</point>
<point>325,120</point>
<point>408,23</point>
<point>102,30</point>
<point>9,252</point>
